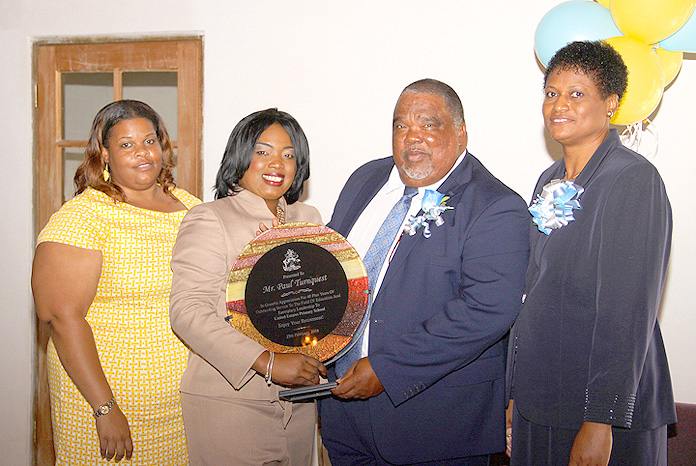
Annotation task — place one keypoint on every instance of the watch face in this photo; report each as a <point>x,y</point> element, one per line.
<point>104,409</point>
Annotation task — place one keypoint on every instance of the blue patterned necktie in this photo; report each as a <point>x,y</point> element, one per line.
<point>374,258</point>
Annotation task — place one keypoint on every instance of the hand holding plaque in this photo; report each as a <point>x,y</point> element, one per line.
<point>299,288</point>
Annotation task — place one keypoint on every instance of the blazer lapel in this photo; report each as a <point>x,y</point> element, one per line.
<point>459,178</point>
<point>597,158</point>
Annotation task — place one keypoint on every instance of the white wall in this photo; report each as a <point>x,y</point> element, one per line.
<point>338,67</point>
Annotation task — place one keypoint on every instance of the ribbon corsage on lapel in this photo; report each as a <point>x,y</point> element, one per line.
<point>434,204</point>
<point>553,207</point>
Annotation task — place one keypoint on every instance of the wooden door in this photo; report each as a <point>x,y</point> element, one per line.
<point>76,71</point>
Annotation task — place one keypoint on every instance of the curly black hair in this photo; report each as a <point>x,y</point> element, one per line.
<point>597,60</point>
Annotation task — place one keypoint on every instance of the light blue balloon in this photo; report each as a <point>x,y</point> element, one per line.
<point>684,40</point>
<point>571,21</point>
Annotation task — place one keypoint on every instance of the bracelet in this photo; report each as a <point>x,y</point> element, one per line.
<point>269,368</point>
<point>104,409</point>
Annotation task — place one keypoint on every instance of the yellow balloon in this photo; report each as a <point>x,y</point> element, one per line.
<point>604,2</point>
<point>646,80</point>
<point>671,63</point>
<point>651,21</point>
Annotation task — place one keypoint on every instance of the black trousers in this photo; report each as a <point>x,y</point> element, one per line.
<point>538,445</point>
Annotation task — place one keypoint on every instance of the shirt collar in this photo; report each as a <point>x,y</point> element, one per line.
<point>394,182</point>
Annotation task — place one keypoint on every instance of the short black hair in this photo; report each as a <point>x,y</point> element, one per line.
<point>595,59</point>
<point>433,86</point>
<point>240,149</point>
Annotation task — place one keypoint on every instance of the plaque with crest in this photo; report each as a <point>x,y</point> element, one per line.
<point>299,288</point>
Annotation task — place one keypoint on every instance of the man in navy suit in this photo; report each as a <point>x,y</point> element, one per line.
<point>431,387</point>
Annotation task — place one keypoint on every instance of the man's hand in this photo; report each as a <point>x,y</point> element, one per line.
<point>359,382</point>
<point>592,446</point>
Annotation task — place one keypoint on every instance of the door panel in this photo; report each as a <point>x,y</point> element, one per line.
<point>159,90</point>
<point>83,94</point>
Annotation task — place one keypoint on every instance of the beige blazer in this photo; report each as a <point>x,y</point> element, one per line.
<point>210,238</point>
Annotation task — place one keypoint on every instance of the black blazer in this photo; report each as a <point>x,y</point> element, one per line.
<point>587,344</point>
<point>439,321</point>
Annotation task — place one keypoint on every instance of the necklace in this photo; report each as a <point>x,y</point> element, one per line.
<point>572,178</point>
<point>280,215</point>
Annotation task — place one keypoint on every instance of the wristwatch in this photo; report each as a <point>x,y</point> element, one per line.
<point>104,409</point>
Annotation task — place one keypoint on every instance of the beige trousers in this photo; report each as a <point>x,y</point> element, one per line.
<point>224,432</point>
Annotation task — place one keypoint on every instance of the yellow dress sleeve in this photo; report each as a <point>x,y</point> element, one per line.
<point>76,223</point>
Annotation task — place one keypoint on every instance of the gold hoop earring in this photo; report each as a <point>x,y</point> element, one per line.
<point>106,174</point>
<point>610,114</point>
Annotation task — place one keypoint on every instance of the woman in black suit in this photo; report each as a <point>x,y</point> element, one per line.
<point>588,369</point>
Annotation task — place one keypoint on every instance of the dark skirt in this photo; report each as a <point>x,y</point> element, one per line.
<point>538,445</point>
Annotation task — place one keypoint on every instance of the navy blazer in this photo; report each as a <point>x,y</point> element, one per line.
<point>587,344</point>
<point>439,322</point>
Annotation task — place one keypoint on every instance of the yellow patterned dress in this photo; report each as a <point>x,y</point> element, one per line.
<point>141,357</point>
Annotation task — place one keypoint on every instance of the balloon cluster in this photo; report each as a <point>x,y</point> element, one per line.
<point>650,35</point>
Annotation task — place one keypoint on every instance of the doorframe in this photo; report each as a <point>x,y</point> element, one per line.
<point>190,169</point>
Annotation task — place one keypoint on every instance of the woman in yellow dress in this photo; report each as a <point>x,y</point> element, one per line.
<point>101,279</point>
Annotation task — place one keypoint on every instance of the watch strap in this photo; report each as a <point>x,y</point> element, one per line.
<point>105,408</point>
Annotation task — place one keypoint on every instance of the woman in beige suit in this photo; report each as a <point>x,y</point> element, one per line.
<point>229,391</point>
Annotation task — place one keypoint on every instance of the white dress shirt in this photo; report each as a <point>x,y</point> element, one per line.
<point>370,220</point>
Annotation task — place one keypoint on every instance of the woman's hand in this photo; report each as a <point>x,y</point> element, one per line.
<point>592,446</point>
<point>291,369</point>
<point>296,369</point>
<point>114,436</point>
<point>263,227</point>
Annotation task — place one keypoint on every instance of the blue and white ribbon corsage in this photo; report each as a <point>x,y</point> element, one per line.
<point>553,207</point>
<point>433,205</point>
